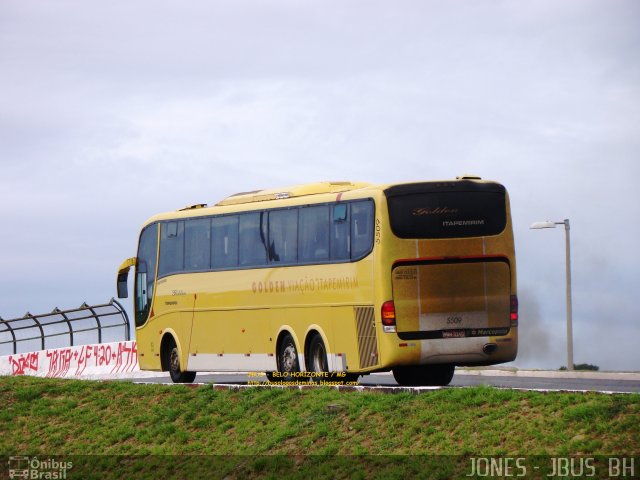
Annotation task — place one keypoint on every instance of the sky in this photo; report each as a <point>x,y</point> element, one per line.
<point>111,112</point>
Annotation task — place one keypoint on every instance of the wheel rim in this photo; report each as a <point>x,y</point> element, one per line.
<point>289,358</point>
<point>174,361</point>
<point>319,358</point>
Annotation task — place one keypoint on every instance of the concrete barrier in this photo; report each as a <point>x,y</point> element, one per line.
<point>120,360</point>
<point>105,360</point>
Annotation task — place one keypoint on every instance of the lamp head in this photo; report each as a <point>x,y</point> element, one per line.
<point>538,225</point>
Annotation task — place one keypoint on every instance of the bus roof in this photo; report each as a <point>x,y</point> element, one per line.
<point>291,192</point>
<point>287,195</point>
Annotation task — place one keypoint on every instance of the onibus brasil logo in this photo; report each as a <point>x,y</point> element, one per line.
<point>34,468</point>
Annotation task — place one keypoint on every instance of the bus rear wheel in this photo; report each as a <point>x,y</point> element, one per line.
<point>288,356</point>
<point>424,375</point>
<point>173,363</point>
<point>316,359</point>
<point>317,356</point>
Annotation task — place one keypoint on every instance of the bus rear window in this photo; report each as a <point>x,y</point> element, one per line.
<point>447,210</point>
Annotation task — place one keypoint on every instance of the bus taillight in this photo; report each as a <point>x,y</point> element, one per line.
<point>389,317</point>
<point>514,310</point>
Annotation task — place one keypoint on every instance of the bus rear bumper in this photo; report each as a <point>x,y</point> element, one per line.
<point>468,351</point>
<point>472,351</point>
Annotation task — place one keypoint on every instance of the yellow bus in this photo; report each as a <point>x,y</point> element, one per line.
<point>338,277</point>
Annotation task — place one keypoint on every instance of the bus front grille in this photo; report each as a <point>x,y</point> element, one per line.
<point>367,341</point>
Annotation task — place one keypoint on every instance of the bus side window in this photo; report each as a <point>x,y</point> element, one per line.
<point>313,244</point>
<point>197,252</point>
<point>340,232</point>
<point>224,242</point>
<point>283,236</point>
<point>252,242</point>
<point>361,228</point>
<point>171,248</point>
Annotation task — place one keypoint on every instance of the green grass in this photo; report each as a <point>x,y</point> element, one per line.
<point>267,428</point>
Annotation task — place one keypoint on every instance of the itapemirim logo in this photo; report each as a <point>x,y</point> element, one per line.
<point>35,469</point>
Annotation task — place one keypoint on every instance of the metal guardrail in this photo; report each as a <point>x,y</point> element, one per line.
<point>77,324</point>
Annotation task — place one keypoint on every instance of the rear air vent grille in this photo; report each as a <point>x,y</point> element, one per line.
<point>367,342</point>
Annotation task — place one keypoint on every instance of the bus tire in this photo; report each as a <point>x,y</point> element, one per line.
<point>351,377</point>
<point>173,364</point>
<point>288,356</point>
<point>424,375</point>
<point>316,356</point>
<point>317,361</point>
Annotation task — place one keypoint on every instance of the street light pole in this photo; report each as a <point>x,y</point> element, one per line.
<point>567,229</point>
<point>569,302</point>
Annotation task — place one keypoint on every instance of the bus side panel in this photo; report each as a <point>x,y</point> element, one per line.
<point>335,324</point>
<point>229,331</point>
<point>345,339</point>
<point>148,346</point>
<point>149,338</point>
<point>243,311</point>
<point>172,312</point>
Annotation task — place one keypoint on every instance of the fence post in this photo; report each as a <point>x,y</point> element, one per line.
<point>13,335</point>
<point>94,315</point>
<point>60,312</point>
<point>127,325</point>
<point>37,322</point>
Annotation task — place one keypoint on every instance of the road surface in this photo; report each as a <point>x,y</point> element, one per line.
<point>527,380</point>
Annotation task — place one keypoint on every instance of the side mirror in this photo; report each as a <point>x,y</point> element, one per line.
<point>123,273</point>
<point>123,291</point>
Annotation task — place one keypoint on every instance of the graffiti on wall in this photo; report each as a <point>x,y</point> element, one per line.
<point>120,357</point>
<point>25,363</point>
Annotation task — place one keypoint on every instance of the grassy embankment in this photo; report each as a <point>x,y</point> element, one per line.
<point>67,417</point>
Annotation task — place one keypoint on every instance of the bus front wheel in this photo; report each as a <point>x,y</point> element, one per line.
<point>173,363</point>
<point>424,375</point>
